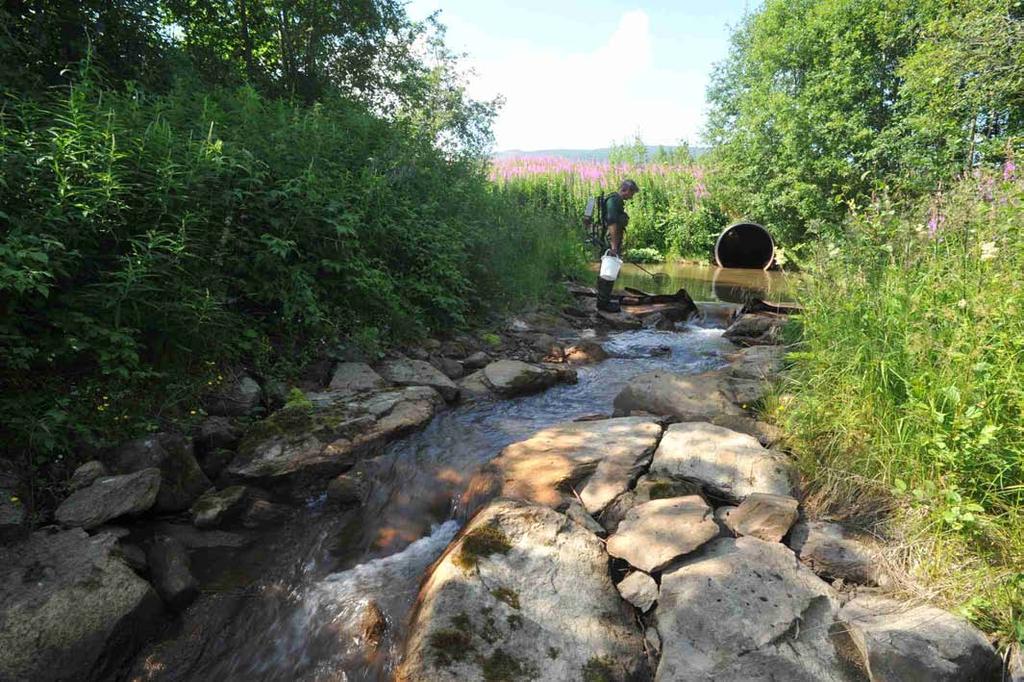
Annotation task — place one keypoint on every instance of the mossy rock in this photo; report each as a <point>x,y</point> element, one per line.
<point>600,669</point>
<point>478,543</point>
<point>510,597</point>
<point>503,667</point>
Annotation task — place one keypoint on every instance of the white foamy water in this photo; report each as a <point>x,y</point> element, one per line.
<point>325,635</point>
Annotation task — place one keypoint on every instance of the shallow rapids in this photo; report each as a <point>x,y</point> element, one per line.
<point>328,596</point>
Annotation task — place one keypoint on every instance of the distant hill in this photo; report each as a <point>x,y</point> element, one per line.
<point>583,154</point>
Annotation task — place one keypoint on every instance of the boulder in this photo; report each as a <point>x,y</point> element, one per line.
<point>639,589</point>
<point>892,641</point>
<point>522,593</point>
<point>577,513</point>
<point>405,372</point>
<point>511,378</point>
<point>109,498</point>
<point>686,397</point>
<point>745,609</point>
<point>585,353</point>
<point>656,533</point>
<point>216,433</point>
<point>262,512</point>
<point>764,516</point>
<point>214,462</point>
<point>70,608</point>
<point>182,480</point>
<point>349,378</point>
<point>728,464</point>
<point>348,490</point>
<point>832,552</point>
<point>477,360</point>
<point>759,363</point>
<point>759,329</point>
<point>220,507</point>
<point>237,398</point>
<point>598,459</point>
<point>170,572</point>
<point>450,368</point>
<point>134,556</point>
<point>86,474</point>
<point>475,386</point>
<point>296,447</point>
<point>548,346</point>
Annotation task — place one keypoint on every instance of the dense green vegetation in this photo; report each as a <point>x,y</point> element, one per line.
<point>878,140</point>
<point>824,104</point>
<point>265,183</point>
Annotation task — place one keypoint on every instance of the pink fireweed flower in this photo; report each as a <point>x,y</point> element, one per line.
<point>1009,169</point>
<point>700,191</point>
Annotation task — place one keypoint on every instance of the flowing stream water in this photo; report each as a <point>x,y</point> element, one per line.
<point>292,605</point>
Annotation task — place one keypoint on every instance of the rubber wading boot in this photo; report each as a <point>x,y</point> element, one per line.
<point>604,295</point>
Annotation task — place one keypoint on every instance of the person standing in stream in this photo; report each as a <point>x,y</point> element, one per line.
<point>615,221</point>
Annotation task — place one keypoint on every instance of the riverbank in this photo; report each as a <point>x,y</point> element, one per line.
<point>297,584</point>
<point>904,402</point>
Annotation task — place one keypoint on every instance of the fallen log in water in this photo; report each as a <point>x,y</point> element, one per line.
<point>758,305</point>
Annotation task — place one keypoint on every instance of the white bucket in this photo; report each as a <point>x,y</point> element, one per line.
<point>610,266</point>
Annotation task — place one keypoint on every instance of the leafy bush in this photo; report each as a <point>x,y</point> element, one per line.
<point>908,384</point>
<point>149,240</point>
<point>644,254</point>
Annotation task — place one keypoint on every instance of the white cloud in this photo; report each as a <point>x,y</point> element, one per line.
<point>562,100</point>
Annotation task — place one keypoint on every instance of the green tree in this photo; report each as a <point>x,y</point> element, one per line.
<point>963,90</point>
<point>798,107</point>
<point>825,102</point>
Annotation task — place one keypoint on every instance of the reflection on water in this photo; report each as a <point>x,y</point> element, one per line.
<point>706,282</point>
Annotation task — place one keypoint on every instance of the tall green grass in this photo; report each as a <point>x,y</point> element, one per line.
<point>907,394</point>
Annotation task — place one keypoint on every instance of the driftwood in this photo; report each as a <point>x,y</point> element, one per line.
<point>758,305</point>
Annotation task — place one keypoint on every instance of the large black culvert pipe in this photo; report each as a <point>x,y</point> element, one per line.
<point>745,245</point>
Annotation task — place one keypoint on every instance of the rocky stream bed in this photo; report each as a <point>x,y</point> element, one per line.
<point>590,498</point>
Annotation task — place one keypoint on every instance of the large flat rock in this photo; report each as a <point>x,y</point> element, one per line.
<point>686,397</point>
<point>406,372</point>
<point>764,516</point>
<point>522,593</point>
<point>355,377</point>
<point>597,459</point>
<point>510,378</point>
<point>296,446</point>
<point>893,642</point>
<point>70,608</point>
<point>656,533</point>
<point>725,462</point>
<point>110,497</point>
<point>745,609</point>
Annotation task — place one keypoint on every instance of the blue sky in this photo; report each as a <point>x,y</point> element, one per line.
<point>549,59</point>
